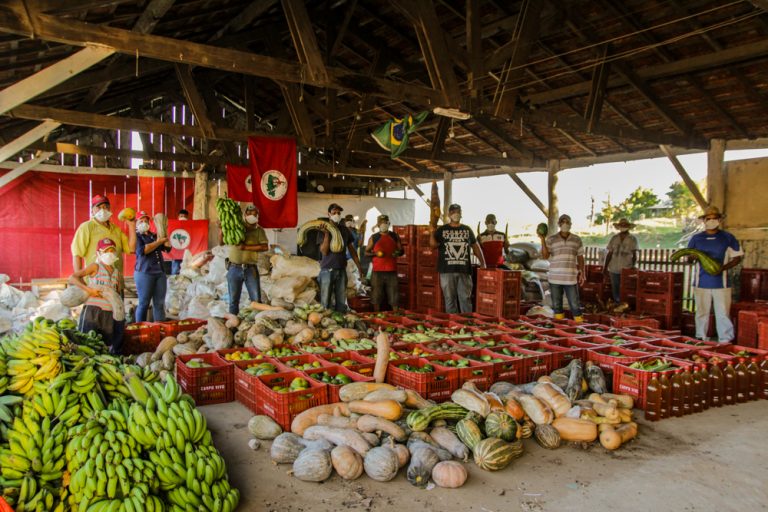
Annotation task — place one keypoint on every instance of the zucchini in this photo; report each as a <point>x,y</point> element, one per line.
<point>709,265</point>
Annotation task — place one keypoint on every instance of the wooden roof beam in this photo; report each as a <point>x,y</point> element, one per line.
<point>304,40</point>
<point>312,167</point>
<point>441,132</point>
<point>458,158</point>
<point>474,47</point>
<point>597,93</point>
<point>528,192</point>
<point>195,100</point>
<point>576,141</point>
<point>686,177</point>
<point>245,18</point>
<point>89,150</point>
<point>22,141</point>
<point>493,127</point>
<point>173,50</point>
<point>760,4</point>
<point>302,122</point>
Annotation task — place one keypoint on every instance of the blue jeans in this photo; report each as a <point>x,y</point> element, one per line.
<point>175,267</point>
<point>571,291</point>
<point>236,276</point>
<point>457,292</point>
<point>615,286</point>
<point>333,282</point>
<point>150,287</point>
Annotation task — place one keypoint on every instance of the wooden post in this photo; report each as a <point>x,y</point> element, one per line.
<point>553,167</point>
<point>201,196</point>
<point>716,174</point>
<point>447,193</point>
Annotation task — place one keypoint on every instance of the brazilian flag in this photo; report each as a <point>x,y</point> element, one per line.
<point>393,135</point>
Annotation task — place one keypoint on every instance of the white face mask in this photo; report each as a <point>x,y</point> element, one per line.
<point>623,230</point>
<point>565,227</point>
<point>455,217</point>
<point>251,219</point>
<point>108,258</point>
<point>384,227</point>
<point>336,218</point>
<point>142,227</point>
<point>491,226</point>
<point>103,215</point>
<point>712,224</point>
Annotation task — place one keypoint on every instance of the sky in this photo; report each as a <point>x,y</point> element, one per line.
<point>575,188</point>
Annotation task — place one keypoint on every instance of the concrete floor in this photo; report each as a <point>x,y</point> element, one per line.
<point>713,461</point>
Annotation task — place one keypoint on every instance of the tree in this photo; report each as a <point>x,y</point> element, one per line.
<point>683,203</point>
<point>633,207</point>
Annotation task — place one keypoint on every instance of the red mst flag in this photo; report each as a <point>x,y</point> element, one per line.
<point>191,235</point>
<point>273,166</point>
<point>239,183</point>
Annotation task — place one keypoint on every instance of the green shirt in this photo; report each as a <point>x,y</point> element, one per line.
<point>253,236</point>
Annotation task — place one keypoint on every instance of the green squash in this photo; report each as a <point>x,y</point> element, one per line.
<point>493,454</point>
<point>469,433</point>
<point>542,229</point>
<point>502,425</point>
<point>547,436</point>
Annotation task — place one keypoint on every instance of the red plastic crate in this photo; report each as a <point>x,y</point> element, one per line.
<point>620,339</point>
<point>573,344</point>
<point>569,332</point>
<point>602,357</point>
<point>333,389</point>
<point>429,298</point>
<point>562,355</point>
<point>480,374</point>
<point>535,364</point>
<point>423,234</point>
<point>211,385</point>
<point>406,349</point>
<point>408,257</point>
<point>252,351</point>
<point>366,370</point>
<point>291,362</point>
<point>494,305</point>
<point>509,369</point>
<point>428,277</point>
<point>360,303</point>
<point>141,337</point>
<point>174,327</point>
<point>406,233</point>
<point>688,342</point>
<point>666,347</point>
<point>437,385</point>
<point>629,280</point>
<point>667,283</point>
<point>245,384</point>
<point>404,273</point>
<point>472,316</point>
<point>762,335</point>
<point>283,407</point>
<point>634,382</point>
<point>733,350</point>
<point>319,347</point>
<point>659,304</point>
<point>748,323</point>
<point>636,321</point>
<point>426,257</point>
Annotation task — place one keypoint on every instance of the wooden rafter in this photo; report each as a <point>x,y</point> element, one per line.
<point>302,123</point>
<point>304,40</point>
<point>342,31</point>
<point>686,177</point>
<point>195,100</point>
<point>597,92</point>
<point>90,150</point>
<point>441,132</point>
<point>474,46</point>
<point>24,140</point>
<point>372,173</point>
<point>493,127</point>
<point>528,192</point>
<point>445,157</point>
<point>246,17</point>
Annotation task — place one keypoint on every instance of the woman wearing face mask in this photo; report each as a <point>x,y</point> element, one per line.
<point>494,244</point>
<point>151,283</point>
<point>97,311</point>
<point>100,226</point>
<point>243,259</point>
<point>714,291</point>
<point>565,253</point>
<point>383,248</point>
<point>622,253</point>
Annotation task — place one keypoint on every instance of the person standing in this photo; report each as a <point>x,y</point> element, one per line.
<point>622,253</point>
<point>243,259</point>
<point>151,283</point>
<point>493,243</point>
<point>714,291</point>
<point>85,242</point>
<point>453,242</point>
<point>97,313</point>
<point>349,222</point>
<point>333,265</point>
<point>176,264</point>
<point>565,253</point>
<point>384,247</point>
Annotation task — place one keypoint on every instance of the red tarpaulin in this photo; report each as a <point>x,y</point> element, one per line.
<point>40,211</point>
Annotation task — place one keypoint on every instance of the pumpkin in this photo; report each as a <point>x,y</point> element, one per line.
<point>513,408</point>
<point>398,395</point>
<point>287,446</point>
<point>526,429</point>
<point>339,436</point>
<point>381,464</point>
<point>493,454</point>
<point>309,417</point>
<point>501,388</point>
<point>313,465</point>
<point>469,433</point>
<point>501,425</point>
<point>368,423</point>
<point>537,410</point>
<point>264,427</point>
<point>314,318</point>
<point>547,436</point>
<point>403,455</point>
<point>517,448</point>
<point>449,474</point>
<point>471,400</point>
<point>387,409</point>
<point>423,459</point>
<point>347,462</point>
<point>577,430</point>
<point>346,334</point>
<point>422,437</point>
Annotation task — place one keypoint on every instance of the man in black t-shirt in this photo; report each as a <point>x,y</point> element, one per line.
<point>454,241</point>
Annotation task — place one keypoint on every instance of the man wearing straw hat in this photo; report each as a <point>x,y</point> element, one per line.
<point>714,291</point>
<point>622,253</point>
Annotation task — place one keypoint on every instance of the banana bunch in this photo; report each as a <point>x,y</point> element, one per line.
<point>222,498</point>
<point>9,408</point>
<point>232,224</point>
<point>167,420</point>
<point>3,371</point>
<point>337,242</point>
<point>32,356</point>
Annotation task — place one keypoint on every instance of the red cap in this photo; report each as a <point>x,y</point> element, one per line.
<point>141,214</point>
<point>106,243</point>
<point>99,199</point>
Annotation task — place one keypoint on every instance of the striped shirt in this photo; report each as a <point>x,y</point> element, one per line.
<point>107,279</point>
<point>563,258</point>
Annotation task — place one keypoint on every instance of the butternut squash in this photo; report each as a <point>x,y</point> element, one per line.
<point>304,336</point>
<point>591,415</point>
<point>329,420</point>
<point>308,418</point>
<point>314,318</point>
<point>537,410</point>
<point>347,334</point>
<point>258,306</point>
<point>576,429</point>
<point>382,357</point>
<point>472,401</point>
<point>398,395</point>
<point>625,415</point>
<point>359,390</point>
<point>347,462</point>
<point>597,398</point>
<point>494,401</point>
<point>368,423</point>
<point>613,438</point>
<point>416,401</point>
<point>339,437</point>
<point>513,408</point>
<point>546,392</point>
<point>387,409</point>
<point>624,401</point>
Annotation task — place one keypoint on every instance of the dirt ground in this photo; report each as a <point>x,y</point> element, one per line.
<point>715,460</point>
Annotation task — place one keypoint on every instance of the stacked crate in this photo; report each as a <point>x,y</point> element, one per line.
<point>661,293</point>
<point>753,284</point>
<point>498,292</point>
<point>595,288</point>
<point>628,286</point>
<point>429,296</point>
<point>406,266</point>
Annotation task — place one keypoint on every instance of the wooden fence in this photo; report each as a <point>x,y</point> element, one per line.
<point>654,259</point>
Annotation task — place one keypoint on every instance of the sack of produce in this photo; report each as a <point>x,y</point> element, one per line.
<point>287,288</point>
<point>293,266</point>
<point>218,336</point>
<point>73,296</point>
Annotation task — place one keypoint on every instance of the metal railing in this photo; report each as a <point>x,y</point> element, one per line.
<point>658,260</point>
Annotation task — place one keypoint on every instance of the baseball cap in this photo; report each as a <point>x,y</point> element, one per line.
<point>382,218</point>
<point>564,217</point>
<point>335,206</point>
<point>251,207</point>
<point>99,199</point>
<point>349,217</point>
<point>106,243</point>
<point>454,207</point>
<point>490,218</point>
<point>141,214</point>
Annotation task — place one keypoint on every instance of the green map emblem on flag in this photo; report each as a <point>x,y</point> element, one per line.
<point>274,185</point>
<point>393,135</point>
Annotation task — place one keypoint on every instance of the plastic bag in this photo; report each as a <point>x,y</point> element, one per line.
<point>287,288</point>
<point>115,300</point>
<point>541,311</point>
<point>531,249</point>
<point>73,296</point>
<point>218,308</point>
<point>218,336</point>
<point>197,307</point>
<point>9,296</point>
<point>52,310</point>
<point>293,266</point>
